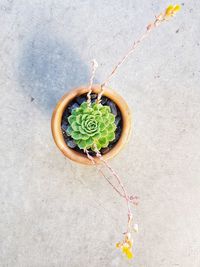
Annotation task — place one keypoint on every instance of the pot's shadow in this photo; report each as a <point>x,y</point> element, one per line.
<point>48,68</point>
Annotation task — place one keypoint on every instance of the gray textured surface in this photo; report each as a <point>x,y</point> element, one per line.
<point>49,215</point>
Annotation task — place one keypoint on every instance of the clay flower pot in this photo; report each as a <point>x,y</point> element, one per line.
<point>57,118</point>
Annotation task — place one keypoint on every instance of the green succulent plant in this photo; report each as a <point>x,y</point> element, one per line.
<point>92,126</point>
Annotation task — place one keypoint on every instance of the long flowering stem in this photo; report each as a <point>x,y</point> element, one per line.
<point>125,195</point>
<point>130,215</point>
<point>99,170</point>
<point>169,12</point>
<point>127,243</point>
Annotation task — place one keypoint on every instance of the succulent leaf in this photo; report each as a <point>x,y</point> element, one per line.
<point>92,126</point>
<point>69,131</point>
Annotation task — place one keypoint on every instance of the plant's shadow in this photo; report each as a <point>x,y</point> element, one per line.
<point>48,67</point>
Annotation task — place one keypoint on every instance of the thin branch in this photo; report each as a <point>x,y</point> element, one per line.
<point>94,67</point>
<point>102,173</point>
<point>130,215</point>
<point>158,21</point>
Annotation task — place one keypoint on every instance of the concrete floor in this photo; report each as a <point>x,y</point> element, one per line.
<point>57,213</point>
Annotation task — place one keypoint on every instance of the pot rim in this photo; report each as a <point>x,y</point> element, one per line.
<point>57,118</point>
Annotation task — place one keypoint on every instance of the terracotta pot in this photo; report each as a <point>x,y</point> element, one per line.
<point>57,117</point>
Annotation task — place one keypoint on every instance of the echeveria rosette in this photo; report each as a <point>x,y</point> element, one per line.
<point>92,127</point>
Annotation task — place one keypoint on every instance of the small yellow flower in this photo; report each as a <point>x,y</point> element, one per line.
<point>169,10</point>
<point>127,251</point>
<point>177,8</point>
<point>126,247</point>
<point>172,10</point>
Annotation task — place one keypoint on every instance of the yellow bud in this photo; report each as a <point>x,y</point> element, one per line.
<point>177,8</point>
<point>169,10</point>
<point>172,10</point>
<point>127,252</point>
<point>118,245</point>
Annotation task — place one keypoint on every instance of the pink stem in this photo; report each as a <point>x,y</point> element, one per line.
<point>93,162</point>
<point>149,28</point>
<point>130,216</point>
<point>94,67</point>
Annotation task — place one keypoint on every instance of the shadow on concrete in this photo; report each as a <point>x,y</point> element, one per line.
<point>48,68</point>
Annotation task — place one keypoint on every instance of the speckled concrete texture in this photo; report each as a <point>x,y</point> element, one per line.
<point>55,213</point>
